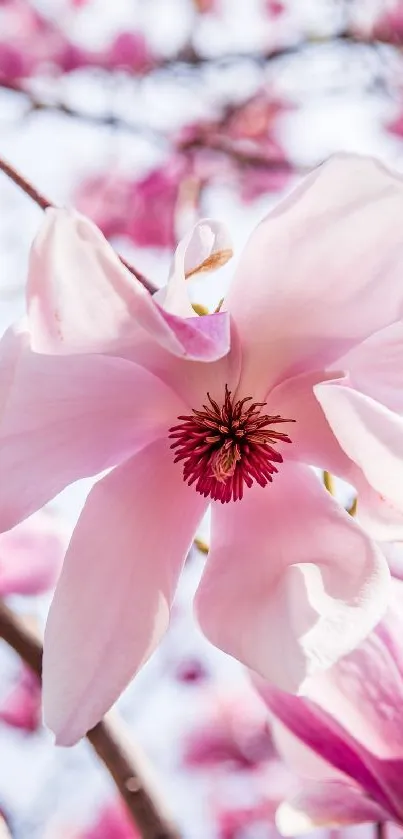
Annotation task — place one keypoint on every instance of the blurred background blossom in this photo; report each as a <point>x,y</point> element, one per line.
<point>146,116</point>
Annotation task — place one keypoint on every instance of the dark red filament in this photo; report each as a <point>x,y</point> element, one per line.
<point>225,447</point>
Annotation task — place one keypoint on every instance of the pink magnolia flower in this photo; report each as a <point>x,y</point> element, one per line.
<point>302,366</point>
<point>345,741</point>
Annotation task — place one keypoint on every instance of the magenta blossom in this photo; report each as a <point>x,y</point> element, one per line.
<point>346,740</point>
<point>301,366</point>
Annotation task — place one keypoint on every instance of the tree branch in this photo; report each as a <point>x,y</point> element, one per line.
<point>43,203</point>
<point>110,744</point>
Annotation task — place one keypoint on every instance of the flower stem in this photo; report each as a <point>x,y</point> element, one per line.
<point>43,203</point>
<point>380,830</point>
<point>111,744</point>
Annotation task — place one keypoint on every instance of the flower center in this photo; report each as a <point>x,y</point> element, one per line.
<point>225,447</point>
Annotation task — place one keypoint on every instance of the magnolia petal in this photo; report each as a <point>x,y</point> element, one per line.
<point>12,345</point>
<point>317,748</point>
<point>112,603</point>
<point>375,366</point>
<point>321,272</point>
<point>82,299</point>
<point>280,566</point>
<point>364,694</point>
<point>69,417</point>
<point>332,804</point>
<point>207,247</point>
<point>312,438</point>
<point>394,555</point>
<point>31,555</point>
<point>381,518</point>
<point>370,434</point>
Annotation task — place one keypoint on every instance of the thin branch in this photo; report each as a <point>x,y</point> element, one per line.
<point>44,203</point>
<point>23,184</point>
<point>111,745</point>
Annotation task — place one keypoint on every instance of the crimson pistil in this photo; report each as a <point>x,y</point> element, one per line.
<point>224,447</point>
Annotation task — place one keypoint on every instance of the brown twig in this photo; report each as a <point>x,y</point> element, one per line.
<point>23,184</point>
<point>111,745</point>
<point>44,203</point>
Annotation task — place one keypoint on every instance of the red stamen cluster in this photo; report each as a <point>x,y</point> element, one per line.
<point>229,446</point>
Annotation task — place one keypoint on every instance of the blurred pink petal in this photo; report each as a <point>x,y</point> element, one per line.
<point>113,822</point>
<point>22,707</point>
<point>301,585</point>
<point>395,126</point>
<point>143,208</point>
<point>128,51</point>
<point>234,734</point>
<point>275,8</point>
<point>31,555</point>
<point>388,26</point>
<point>122,565</point>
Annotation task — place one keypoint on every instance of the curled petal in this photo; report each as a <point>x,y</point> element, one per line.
<point>370,434</point>
<point>280,566</point>
<point>82,299</point>
<point>375,366</point>
<point>321,273</point>
<point>112,603</point>
<point>207,247</point>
